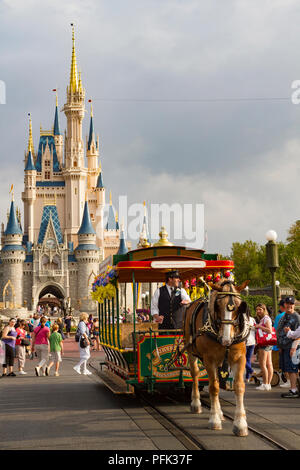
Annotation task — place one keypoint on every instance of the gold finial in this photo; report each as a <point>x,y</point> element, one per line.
<point>116,217</point>
<point>86,195</point>
<point>11,191</point>
<point>163,238</point>
<point>30,139</point>
<point>110,200</point>
<point>73,76</point>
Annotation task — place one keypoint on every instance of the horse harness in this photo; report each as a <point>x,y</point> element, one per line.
<point>212,326</point>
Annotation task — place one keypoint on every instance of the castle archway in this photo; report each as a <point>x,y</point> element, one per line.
<point>52,295</point>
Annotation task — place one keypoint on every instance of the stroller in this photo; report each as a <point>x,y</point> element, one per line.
<point>277,373</point>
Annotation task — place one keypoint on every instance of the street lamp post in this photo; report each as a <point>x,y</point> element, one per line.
<point>272,263</point>
<point>277,290</point>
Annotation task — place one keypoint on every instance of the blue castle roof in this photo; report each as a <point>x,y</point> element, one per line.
<point>50,211</point>
<point>86,224</point>
<point>111,221</point>
<point>44,140</point>
<point>100,181</point>
<point>13,227</point>
<point>122,247</point>
<point>56,125</point>
<point>29,165</point>
<point>91,134</point>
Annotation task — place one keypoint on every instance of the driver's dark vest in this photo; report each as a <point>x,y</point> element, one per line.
<point>166,307</point>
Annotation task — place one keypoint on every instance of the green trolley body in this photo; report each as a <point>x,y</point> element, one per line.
<point>139,354</point>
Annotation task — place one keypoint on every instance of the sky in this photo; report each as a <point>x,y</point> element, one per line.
<point>192,102</point>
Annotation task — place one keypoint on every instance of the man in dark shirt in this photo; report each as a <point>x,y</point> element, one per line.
<point>167,300</point>
<point>290,320</point>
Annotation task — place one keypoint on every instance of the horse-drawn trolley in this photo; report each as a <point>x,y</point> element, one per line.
<point>138,353</point>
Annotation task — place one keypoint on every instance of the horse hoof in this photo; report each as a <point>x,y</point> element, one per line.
<point>240,432</point>
<point>196,409</point>
<point>215,426</point>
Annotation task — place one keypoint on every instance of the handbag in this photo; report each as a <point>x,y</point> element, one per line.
<point>84,343</point>
<point>265,339</point>
<point>25,342</point>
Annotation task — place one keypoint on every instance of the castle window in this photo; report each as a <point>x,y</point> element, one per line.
<point>47,175</point>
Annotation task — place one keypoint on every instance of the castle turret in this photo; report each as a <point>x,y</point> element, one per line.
<point>29,193</point>
<point>88,257</point>
<point>58,138</point>
<point>74,172</point>
<point>12,257</point>
<point>92,154</point>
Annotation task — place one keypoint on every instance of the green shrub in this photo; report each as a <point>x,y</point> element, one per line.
<point>253,300</point>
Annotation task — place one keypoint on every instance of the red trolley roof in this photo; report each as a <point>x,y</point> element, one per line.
<point>154,270</point>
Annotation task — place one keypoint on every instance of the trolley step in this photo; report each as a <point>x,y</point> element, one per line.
<point>115,384</point>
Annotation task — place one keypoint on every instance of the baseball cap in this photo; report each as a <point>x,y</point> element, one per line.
<point>289,300</point>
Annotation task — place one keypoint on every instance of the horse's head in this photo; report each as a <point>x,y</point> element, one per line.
<point>225,306</point>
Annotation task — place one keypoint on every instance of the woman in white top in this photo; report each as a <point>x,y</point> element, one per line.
<point>265,352</point>
<point>84,352</point>
<point>250,345</point>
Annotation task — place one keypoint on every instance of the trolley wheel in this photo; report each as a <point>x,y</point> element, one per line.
<point>275,379</point>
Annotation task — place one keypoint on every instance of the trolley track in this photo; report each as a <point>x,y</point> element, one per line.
<point>189,441</point>
<point>155,407</point>
<point>188,438</point>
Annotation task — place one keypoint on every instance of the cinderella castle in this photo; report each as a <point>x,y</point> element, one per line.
<point>64,236</point>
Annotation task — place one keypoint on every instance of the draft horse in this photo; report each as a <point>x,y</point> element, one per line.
<point>213,331</point>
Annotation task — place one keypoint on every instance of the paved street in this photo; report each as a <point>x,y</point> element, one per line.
<point>73,412</point>
<point>78,412</point>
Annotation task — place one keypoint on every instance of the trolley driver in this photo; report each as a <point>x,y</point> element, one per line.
<point>167,300</point>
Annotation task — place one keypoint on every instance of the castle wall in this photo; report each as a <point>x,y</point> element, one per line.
<point>27,285</point>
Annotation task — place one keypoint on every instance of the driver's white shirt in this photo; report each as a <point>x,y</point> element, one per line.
<point>155,298</point>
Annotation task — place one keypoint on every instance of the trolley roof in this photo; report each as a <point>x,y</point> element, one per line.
<point>151,264</point>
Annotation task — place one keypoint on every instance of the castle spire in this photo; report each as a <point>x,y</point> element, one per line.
<point>111,220</point>
<point>86,224</point>
<point>73,75</point>
<point>30,139</point>
<point>100,180</point>
<point>91,133</point>
<point>13,227</point>
<point>30,165</point>
<point>122,247</point>
<point>56,124</point>
<point>144,240</point>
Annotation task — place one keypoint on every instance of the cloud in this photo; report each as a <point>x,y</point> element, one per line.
<point>230,155</point>
<point>236,208</point>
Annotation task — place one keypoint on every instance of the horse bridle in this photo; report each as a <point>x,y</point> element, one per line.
<point>231,305</point>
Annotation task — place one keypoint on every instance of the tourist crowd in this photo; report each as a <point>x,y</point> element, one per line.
<point>284,355</point>
<point>40,337</point>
